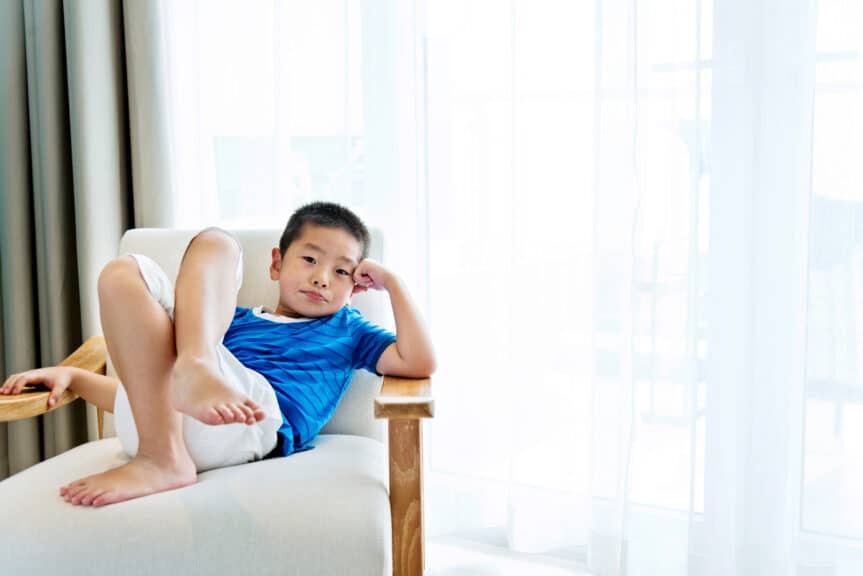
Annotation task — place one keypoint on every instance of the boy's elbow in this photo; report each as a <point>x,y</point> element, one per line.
<point>418,368</point>
<point>427,367</point>
<point>416,365</point>
<point>432,366</point>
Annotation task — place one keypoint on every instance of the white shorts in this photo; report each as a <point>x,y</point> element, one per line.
<point>209,446</point>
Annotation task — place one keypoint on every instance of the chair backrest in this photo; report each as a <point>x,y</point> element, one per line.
<point>355,413</point>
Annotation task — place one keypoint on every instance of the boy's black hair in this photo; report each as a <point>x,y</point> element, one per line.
<point>325,214</point>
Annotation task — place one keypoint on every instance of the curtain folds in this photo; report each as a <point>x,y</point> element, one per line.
<point>70,73</point>
<point>40,285</point>
<point>759,258</point>
<point>19,442</point>
<point>101,156</point>
<point>53,206</point>
<point>151,112</point>
<point>630,182</point>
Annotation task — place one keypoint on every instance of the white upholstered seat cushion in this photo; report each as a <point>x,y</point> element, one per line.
<point>324,511</point>
<point>321,512</point>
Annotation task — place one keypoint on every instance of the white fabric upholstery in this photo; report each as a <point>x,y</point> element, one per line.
<point>321,512</point>
<point>324,511</point>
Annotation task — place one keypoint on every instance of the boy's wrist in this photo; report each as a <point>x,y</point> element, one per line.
<point>74,372</point>
<point>391,281</point>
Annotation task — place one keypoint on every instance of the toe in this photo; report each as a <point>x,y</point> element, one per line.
<point>212,417</point>
<point>228,411</point>
<point>77,484</point>
<point>75,490</point>
<point>87,498</point>
<point>76,499</point>
<point>239,415</point>
<point>90,499</point>
<point>82,490</point>
<point>257,411</point>
<point>224,414</point>
<point>79,496</point>
<point>247,416</point>
<point>107,497</point>
<point>232,413</point>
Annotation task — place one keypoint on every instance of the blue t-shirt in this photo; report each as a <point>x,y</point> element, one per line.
<point>309,364</point>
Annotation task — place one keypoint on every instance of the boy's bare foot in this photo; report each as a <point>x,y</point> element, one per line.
<point>140,477</point>
<point>199,391</point>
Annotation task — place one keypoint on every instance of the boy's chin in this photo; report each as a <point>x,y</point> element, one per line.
<point>314,311</point>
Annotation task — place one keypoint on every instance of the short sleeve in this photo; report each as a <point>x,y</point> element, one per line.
<point>370,341</point>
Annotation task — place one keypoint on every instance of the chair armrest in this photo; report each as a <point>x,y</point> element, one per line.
<point>404,402</point>
<point>90,355</point>
<point>408,398</point>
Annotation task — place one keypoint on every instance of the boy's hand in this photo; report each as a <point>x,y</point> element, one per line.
<point>371,275</point>
<point>56,378</point>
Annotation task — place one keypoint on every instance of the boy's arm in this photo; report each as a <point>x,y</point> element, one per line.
<point>94,388</point>
<point>411,355</point>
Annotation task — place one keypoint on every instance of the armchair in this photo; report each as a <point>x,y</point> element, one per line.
<point>331,510</point>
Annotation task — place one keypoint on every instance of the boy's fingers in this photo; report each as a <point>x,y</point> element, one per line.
<point>11,381</point>
<point>23,380</point>
<point>15,384</point>
<point>364,282</point>
<point>55,394</point>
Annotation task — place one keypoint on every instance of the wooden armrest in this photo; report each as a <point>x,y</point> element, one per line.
<point>405,398</point>
<point>404,401</point>
<point>89,356</point>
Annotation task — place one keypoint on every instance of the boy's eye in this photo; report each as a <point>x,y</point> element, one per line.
<point>343,272</point>
<point>309,259</point>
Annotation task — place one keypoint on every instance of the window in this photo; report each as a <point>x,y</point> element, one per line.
<point>833,457</point>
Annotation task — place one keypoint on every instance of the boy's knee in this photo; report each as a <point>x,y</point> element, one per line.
<point>217,238</point>
<point>116,272</point>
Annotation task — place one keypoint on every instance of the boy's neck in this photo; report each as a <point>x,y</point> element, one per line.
<point>288,313</point>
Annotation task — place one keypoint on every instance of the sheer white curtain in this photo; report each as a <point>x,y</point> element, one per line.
<point>275,103</point>
<point>644,368</point>
<point>638,226</point>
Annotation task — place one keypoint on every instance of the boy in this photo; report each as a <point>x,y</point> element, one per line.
<point>208,384</point>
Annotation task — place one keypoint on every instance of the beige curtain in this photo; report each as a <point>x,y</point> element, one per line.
<point>82,111</point>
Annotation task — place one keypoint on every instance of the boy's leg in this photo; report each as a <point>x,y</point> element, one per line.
<point>205,300</point>
<point>143,343</point>
<point>140,338</point>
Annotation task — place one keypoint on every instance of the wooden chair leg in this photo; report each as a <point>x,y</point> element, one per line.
<point>405,447</point>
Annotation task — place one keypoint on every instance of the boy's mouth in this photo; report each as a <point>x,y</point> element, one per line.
<point>312,295</point>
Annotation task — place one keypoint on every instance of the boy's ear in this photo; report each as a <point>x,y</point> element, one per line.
<point>276,264</point>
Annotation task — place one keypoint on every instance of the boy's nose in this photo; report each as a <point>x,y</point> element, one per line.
<point>319,282</point>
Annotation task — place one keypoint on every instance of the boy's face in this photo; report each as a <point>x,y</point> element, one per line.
<point>316,275</point>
